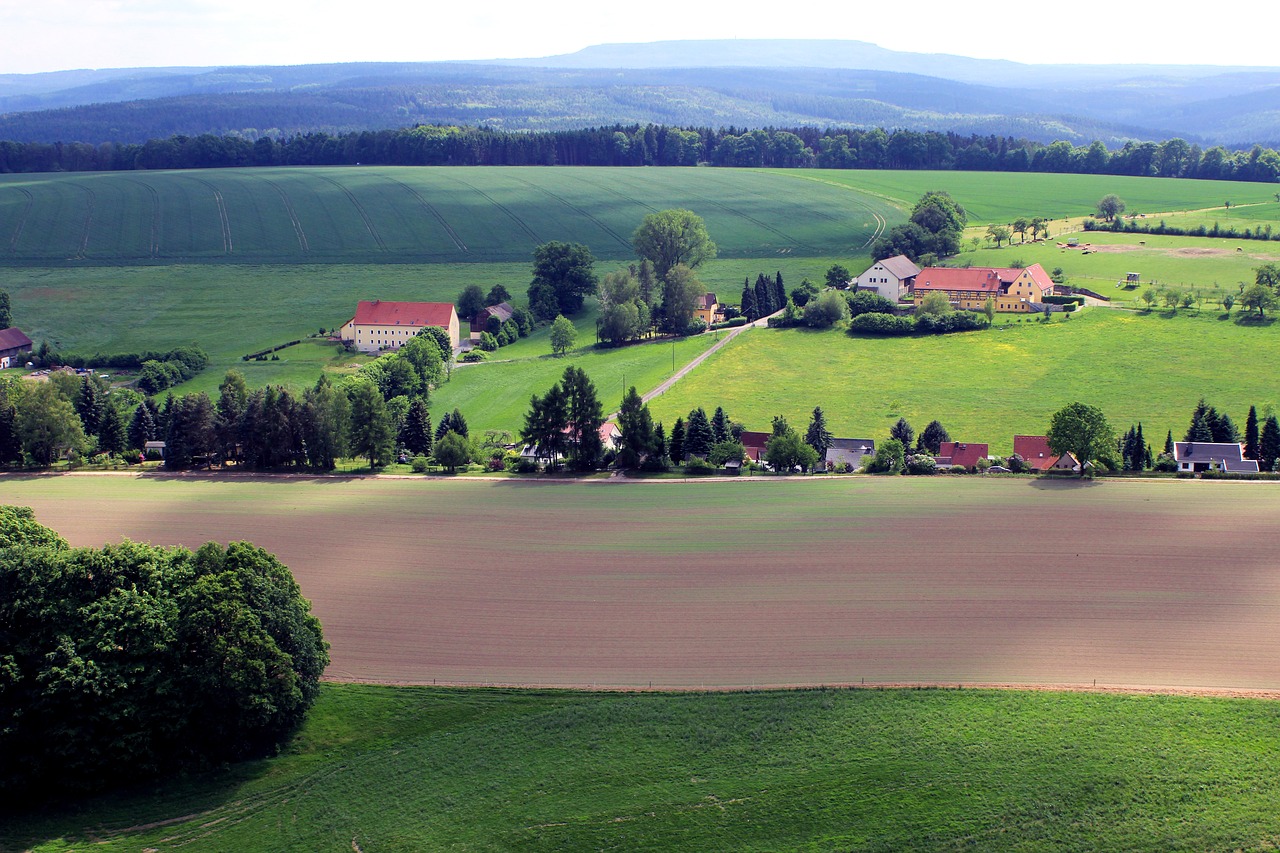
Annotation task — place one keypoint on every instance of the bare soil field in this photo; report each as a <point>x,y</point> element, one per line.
<point>1156,584</point>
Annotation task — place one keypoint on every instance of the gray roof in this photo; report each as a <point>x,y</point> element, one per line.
<point>901,266</point>
<point>1208,451</point>
<point>849,450</point>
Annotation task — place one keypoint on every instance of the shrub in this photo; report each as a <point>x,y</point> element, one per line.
<point>921,464</point>
<point>488,342</point>
<point>826,310</point>
<point>698,467</point>
<point>868,302</point>
<point>875,323</point>
<point>419,464</point>
<point>474,355</point>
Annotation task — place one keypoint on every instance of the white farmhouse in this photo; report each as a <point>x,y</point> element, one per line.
<point>380,325</point>
<point>892,278</point>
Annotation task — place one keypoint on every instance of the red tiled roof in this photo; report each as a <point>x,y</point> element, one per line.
<point>754,443</point>
<point>417,314</point>
<point>13,338</point>
<point>978,279</point>
<point>964,455</point>
<point>1034,450</point>
<point>1038,275</point>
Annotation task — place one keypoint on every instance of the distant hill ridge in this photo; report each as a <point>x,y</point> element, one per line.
<point>743,83</point>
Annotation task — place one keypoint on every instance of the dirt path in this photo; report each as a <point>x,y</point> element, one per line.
<point>684,371</point>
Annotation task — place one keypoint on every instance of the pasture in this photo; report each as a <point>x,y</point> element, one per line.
<point>740,584</point>
<point>989,385</point>
<point>379,768</point>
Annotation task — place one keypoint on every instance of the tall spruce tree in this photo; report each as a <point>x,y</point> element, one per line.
<point>818,436</point>
<point>1269,444</point>
<point>415,433</point>
<point>1224,431</point>
<point>698,437</point>
<point>749,308</point>
<point>1251,434</point>
<point>1168,442</point>
<point>719,426</point>
<point>585,417</point>
<point>764,296</point>
<point>636,425</point>
<point>676,444</point>
<point>902,431</point>
<point>142,426</point>
<point>10,441</point>
<point>931,438</point>
<point>113,436</point>
<point>779,292</point>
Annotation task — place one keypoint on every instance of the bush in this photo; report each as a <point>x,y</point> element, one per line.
<point>826,310</point>
<point>473,355</point>
<point>956,321</point>
<point>419,464</point>
<point>136,660</point>
<point>868,302</point>
<point>921,464</point>
<point>488,342</point>
<point>698,467</point>
<point>876,323</point>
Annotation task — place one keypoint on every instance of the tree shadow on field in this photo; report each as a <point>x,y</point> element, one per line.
<point>1251,319</point>
<point>1061,484</point>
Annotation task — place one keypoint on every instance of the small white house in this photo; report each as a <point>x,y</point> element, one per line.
<point>1195,456</point>
<point>892,278</point>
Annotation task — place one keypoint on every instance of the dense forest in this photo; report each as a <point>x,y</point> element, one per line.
<point>653,145</point>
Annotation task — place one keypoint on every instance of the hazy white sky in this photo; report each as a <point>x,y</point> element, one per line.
<point>51,35</point>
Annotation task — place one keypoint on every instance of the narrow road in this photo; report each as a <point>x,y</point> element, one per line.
<point>682,372</point>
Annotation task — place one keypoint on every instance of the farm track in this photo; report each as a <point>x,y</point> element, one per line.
<point>520,223</point>
<point>22,220</point>
<point>623,242</point>
<point>439,217</point>
<point>364,216</point>
<point>881,222</point>
<point>92,202</point>
<point>223,219</point>
<point>293,216</point>
<point>790,241</point>
<point>612,190</point>
<point>154,247</point>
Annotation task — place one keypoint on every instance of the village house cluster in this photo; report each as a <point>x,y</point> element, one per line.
<point>1011,290</point>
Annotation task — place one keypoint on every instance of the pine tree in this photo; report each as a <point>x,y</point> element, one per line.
<point>446,424</point>
<point>585,417</point>
<point>764,296</point>
<point>1168,443</point>
<point>89,406</point>
<point>1269,444</point>
<point>459,424</point>
<point>10,441</point>
<point>1142,453</point>
<point>636,425</point>
<point>1251,434</point>
<point>818,436</point>
<point>415,433</point>
<point>112,435</point>
<point>749,308</point>
<point>698,437</point>
<point>779,292</point>
<point>931,438</point>
<point>659,455</point>
<point>677,441</point>
<point>142,427</point>
<point>1198,425</point>
<point>1224,431</point>
<point>902,431</point>
<point>719,426</point>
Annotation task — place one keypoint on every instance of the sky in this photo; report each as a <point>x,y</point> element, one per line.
<point>53,35</point>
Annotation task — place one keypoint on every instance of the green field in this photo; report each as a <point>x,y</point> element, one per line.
<point>439,769</point>
<point>988,386</point>
<point>1003,196</point>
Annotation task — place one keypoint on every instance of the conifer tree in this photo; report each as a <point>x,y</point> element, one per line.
<point>818,436</point>
<point>749,308</point>
<point>677,441</point>
<point>931,438</point>
<point>719,426</point>
<point>698,437</point>
<point>1168,442</point>
<point>415,433</point>
<point>764,296</point>
<point>1251,434</point>
<point>779,292</point>
<point>902,431</point>
<point>1269,444</point>
<point>112,435</point>
<point>142,427</point>
<point>1224,430</point>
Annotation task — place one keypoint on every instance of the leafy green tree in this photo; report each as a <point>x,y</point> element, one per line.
<point>1081,430</point>
<point>680,293</point>
<point>563,335</point>
<point>133,660</point>
<point>440,338</point>
<point>470,301</point>
<point>496,296</point>
<point>47,425</point>
<point>372,434</point>
<point>10,441</point>
<point>931,438</point>
<point>838,276</point>
<point>487,342</point>
<point>729,450</point>
<point>787,451</point>
<point>818,436</point>
<point>563,276</point>
<point>827,310</point>
<point>1268,275</point>
<point>1020,226</point>
<point>671,237</point>
<point>423,355</point>
<point>1110,206</point>
<point>998,233</point>
<point>805,293</point>
<point>1149,297</point>
<point>328,424</point>
<point>890,458</point>
<point>452,451</point>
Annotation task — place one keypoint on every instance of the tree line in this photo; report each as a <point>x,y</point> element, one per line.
<point>653,145</point>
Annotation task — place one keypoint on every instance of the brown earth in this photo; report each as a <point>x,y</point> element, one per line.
<point>1166,586</point>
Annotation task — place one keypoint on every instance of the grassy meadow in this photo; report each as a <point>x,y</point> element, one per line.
<point>441,769</point>
<point>987,386</point>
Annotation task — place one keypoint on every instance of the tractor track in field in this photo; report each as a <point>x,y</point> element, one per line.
<point>881,222</point>
<point>629,199</point>
<point>293,216</point>
<point>154,247</point>
<point>787,238</point>
<point>439,217</point>
<point>624,243</point>
<point>364,216</point>
<point>520,223</point>
<point>223,219</point>
<point>22,220</point>
<point>92,200</point>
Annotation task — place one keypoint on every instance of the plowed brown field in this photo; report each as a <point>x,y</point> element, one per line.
<point>946,580</point>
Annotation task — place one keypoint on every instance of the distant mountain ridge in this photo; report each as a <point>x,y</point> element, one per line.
<point>747,83</point>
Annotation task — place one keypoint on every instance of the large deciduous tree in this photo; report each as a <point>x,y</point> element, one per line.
<point>1110,206</point>
<point>563,276</point>
<point>671,237</point>
<point>1082,430</point>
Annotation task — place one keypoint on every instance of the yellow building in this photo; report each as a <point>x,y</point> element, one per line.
<point>1011,290</point>
<point>708,309</point>
<point>380,325</point>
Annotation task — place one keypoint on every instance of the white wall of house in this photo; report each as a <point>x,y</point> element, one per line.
<point>882,281</point>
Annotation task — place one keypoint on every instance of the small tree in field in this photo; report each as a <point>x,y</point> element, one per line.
<point>563,335</point>
<point>1110,206</point>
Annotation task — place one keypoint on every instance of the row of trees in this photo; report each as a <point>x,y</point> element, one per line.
<point>653,145</point>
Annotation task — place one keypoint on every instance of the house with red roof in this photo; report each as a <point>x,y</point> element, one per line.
<point>1010,290</point>
<point>754,443</point>
<point>379,325</point>
<point>1034,451</point>
<point>958,454</point>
